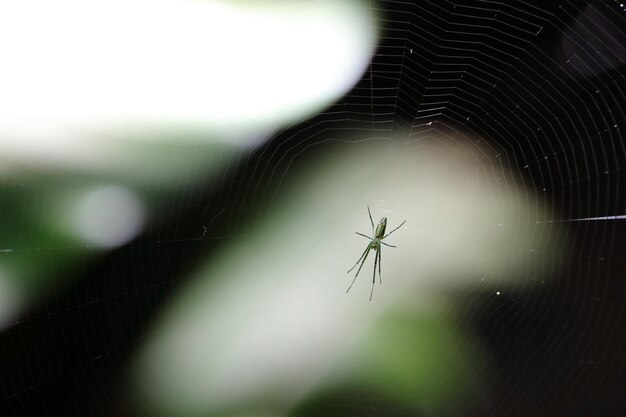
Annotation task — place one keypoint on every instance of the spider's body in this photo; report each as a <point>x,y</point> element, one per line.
<point>375,242</point>
<point>379,234</point>
<point>380,229</point>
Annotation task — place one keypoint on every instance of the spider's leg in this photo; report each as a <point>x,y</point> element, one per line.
<point>359,270</point>
<point>364,256</point>
<point>364,235</point>
<point>386,244</point>
<point>380,261</point>
<point>371,221</point>
<point>394,229</point>
<point>374,275</point>
<point>361,257</point>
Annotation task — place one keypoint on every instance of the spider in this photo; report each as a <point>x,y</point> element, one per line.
<point>375,242</point>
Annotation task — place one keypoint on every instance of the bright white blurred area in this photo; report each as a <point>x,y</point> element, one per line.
<point>77,73</point>
<point>108,216</point>
<point>269,321</point>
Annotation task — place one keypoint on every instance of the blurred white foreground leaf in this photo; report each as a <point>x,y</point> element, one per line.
<point>270,319</point>
<point>72,69</point>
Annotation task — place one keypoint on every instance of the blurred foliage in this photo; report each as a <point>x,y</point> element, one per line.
<point>414,363</point>
<point>38,246</point>
<point>34,249</point>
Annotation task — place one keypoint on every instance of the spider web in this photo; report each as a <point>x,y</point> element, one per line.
<point>541,88</point>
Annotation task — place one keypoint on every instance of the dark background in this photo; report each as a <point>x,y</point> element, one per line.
<point>543,86</point>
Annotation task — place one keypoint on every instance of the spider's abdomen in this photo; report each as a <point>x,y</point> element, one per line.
<point>380,229</point>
